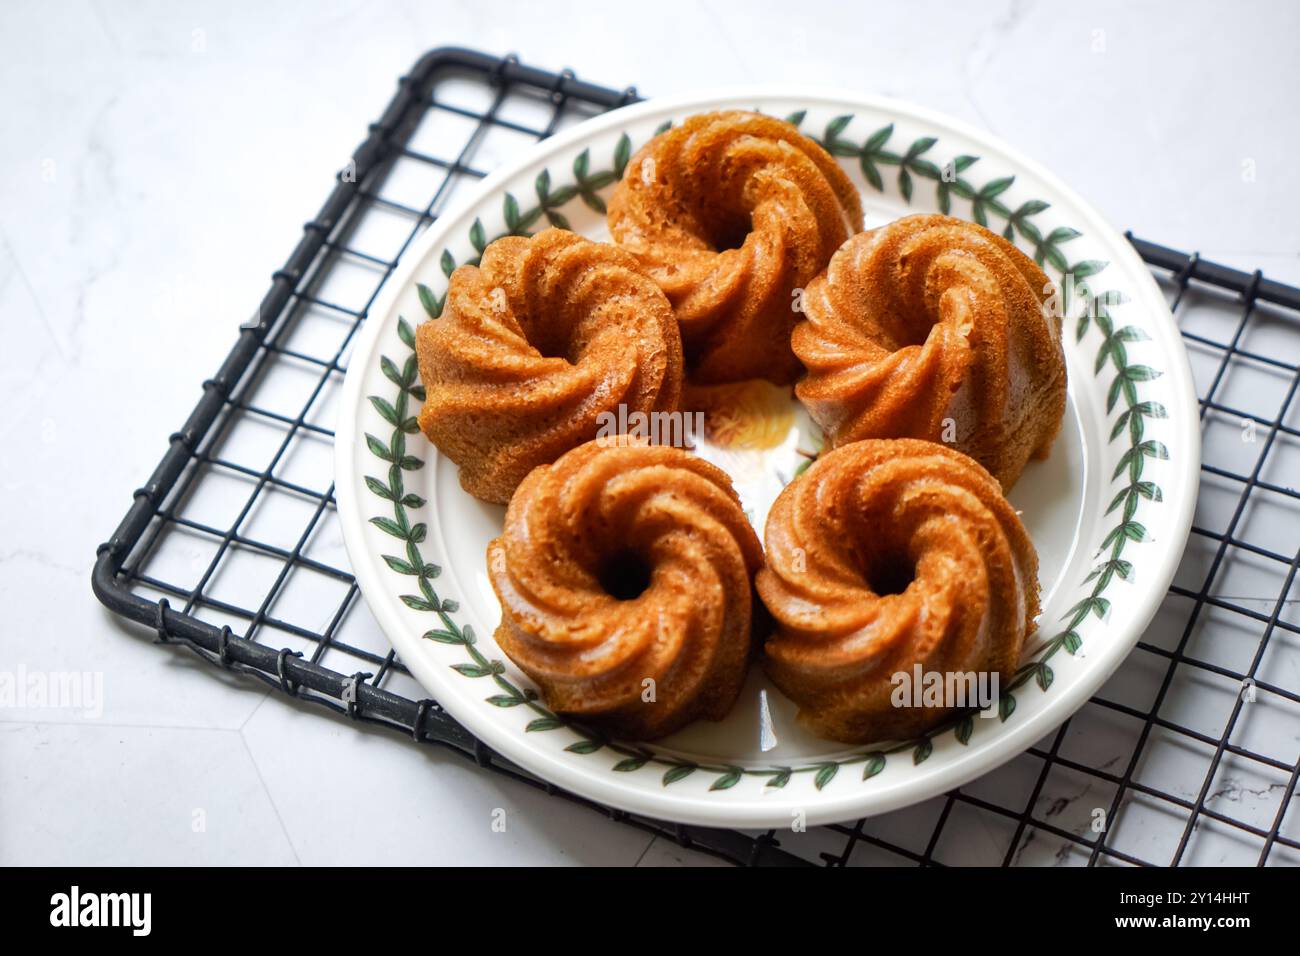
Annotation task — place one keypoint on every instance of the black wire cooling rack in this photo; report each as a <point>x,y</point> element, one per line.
<point>232,547</point>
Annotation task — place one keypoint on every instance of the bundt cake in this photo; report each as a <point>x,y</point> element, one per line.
<point>935,328</point>
<point>885,558</point>
<point>532,346</point>
<point>730,213</point>
<point>625,576</point>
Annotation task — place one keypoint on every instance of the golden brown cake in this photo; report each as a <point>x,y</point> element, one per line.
<point>532,346</point>
<point>731,213</point>
<point>935,328</point>
<point>625,574</point>
<point>882,556</point>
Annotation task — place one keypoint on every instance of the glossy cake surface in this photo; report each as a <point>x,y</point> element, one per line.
<point>534,346</point>
<point>625,577</point>
<point>935,328</point>
<point>882,558</point>
<point>731,213</point>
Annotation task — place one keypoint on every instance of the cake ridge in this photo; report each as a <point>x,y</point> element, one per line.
<point>533,345</point>
<point>935,328</point>
<point>731,212</point>
<point>883,555</point>
<point>680,617</point>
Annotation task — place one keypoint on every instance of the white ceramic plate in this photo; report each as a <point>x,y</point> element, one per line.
<point>1109,511</point>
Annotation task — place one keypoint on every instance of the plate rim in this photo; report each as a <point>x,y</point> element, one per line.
<point>823,807</point>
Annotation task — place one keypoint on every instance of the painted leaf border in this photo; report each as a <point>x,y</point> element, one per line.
<point>914,165</point>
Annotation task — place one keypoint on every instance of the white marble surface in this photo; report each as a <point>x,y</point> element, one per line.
<point>158,159</point>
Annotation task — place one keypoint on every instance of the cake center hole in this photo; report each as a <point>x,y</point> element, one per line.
<point>890,574</point>
<point>554,346</point>
<point>732,233</point>
<point>625,576</point>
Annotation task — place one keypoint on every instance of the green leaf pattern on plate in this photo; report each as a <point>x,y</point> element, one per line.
<point>914,162</point>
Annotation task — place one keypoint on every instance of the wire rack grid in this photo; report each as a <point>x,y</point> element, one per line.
<point>1188,755</point>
